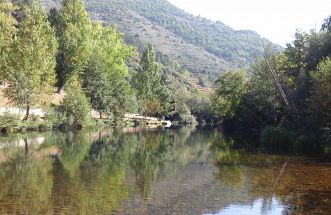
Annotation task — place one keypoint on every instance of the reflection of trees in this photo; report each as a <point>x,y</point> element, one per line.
<point>152,149</point>
<point>223,153</point>
<point>161,154</point>
<point>90,174</point>
<point>95,171</point>
<point>25,182</point>
<point>227,160</point>
<point>74,149</point>
<point>304,187</point>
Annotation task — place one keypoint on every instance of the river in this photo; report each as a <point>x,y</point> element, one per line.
<point>193,171</point>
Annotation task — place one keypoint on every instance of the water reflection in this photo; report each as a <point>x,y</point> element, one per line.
<point>139,171</point>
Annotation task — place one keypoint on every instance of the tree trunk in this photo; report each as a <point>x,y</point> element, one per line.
<point>100,115</point>
<point>27,113</point>
<point>59,89</point>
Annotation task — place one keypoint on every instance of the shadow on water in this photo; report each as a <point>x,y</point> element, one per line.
<point>161,171</point>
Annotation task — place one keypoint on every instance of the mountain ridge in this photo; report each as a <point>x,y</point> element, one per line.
<point>204,47</point>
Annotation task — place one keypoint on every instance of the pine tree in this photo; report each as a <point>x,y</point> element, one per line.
<point>148,80</point>
<point>32,74</point>
<point>151,88</point>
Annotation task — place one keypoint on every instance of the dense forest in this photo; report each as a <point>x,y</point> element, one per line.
<point>285,97</point>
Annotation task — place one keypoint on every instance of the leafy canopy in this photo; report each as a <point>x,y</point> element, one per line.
<point>32,76</point>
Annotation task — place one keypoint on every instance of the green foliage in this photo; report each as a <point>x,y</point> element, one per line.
<point>303,71</point>
<point>7,31</point>
<point>230,89</point>
<point>147,80</point>
<point>75,107</point>
<point>32,76</point>
<point>200,106</point>
<point>306,143</point>
<point>223,153</point>
<point>106,72</point>
<point>8,121</point>
<point>12,123</point>
<point>263,103</point>
<point>152,107</point>
<point>73,29</point>
<point>186,119</point>
<point>320,100</point>
<point>277,137</point>
<point>151,89</point>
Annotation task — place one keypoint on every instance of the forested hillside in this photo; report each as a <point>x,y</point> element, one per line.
<point>204,47</point>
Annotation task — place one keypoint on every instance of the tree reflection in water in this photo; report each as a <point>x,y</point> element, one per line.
<point>179,171</point>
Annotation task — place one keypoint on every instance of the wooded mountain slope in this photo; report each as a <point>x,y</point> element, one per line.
<point>202,46</point>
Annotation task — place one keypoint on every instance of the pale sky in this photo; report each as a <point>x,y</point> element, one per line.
<point>276,20</point>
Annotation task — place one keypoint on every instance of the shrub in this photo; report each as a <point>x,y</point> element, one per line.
<point>277,136</point>
<point>75,107</point>
<point>9,122</point>
<point>306,143</point>
<point>187,119</point>
<point>152,107</point>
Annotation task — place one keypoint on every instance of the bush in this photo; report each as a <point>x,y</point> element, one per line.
<point>281,138</point>
<point>187,119</point>
<point>9,122</point>
<point>278,137</point>
<point>152,107</point>
<point>306,143</point>
<point>75,107</point>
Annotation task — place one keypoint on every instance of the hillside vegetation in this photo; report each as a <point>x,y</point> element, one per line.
<point>202,46</point>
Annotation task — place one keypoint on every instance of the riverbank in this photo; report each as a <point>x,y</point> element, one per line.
<point>13,123</point>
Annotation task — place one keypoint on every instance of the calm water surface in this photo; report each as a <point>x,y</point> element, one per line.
<point>156,171</point>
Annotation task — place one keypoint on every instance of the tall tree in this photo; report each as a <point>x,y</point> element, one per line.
<point>105,76</point>
<point>231,88</point>
<point>151,89</point>
<point>73,29</point>
<point>7,31</point>
<point>32,74</point>
<point>148,79</point>
<point>263,103</point>
<point>320,100</point>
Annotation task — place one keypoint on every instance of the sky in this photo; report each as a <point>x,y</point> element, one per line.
<point>276,20</point>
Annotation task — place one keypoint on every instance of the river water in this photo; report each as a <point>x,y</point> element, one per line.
<point>157,171</point>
